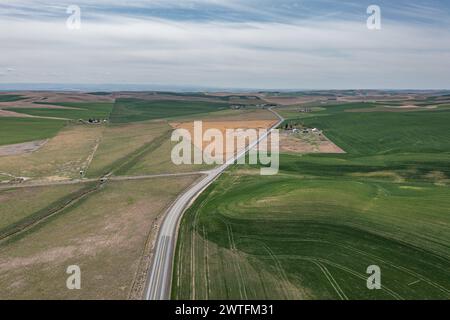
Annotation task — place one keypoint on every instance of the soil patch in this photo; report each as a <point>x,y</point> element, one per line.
<point>21,148</point>
<point>307,143</point>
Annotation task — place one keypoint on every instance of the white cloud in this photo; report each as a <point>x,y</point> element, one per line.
<point>333,54</point>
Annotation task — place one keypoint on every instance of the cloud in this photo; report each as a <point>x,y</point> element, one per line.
<point>311,53</point>
<point>229,10</point>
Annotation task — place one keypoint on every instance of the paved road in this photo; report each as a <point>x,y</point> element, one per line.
<point>160,275</point>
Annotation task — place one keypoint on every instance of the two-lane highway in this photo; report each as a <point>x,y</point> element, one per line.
<point>160,275</point>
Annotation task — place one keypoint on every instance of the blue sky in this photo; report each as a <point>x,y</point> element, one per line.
<point>267,44</point>
<point>236,11</point>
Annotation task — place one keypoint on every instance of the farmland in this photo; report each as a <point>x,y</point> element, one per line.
<point>10,97</point>
<point>17,130</point>
<point>37,199</point>
<point>132,110</point>
<point>108,233</point>
<point>387,133</point>
<point>87,194</point>
<point>140,148</point>
<point>62,157</point>
<point>138,144</point>
<point>157,159</point>
<point>121,143</point>
<point>311,231</point>
<point>84,194</point>
<point>73,110</point>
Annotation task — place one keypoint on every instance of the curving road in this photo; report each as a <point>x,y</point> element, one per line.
<point>160,275</point>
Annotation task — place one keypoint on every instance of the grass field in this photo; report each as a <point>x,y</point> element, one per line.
<point>106,233</point>
<point>134,110</point>
<point>62,157</point>
<point>81,110</point>
<point>158,160</point>
<point>37,200</point>
<point>18,130</point>
<point>136,149</point>
<point>121,143</point>
<point>311,231</point>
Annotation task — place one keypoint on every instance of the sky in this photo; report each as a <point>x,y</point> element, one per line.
<point>257,44</point>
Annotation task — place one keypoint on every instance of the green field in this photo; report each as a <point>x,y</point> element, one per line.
<point>134,110</point>
<point>81,110</point>
<point>386,132</point>
<point>18,130</point>
<point>311,231</point>
<point>10,97</point>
